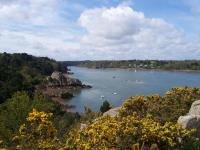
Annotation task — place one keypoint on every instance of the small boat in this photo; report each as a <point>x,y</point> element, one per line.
<point>113,77</point>
<point>115,93</point>
<point>102,96</point>
<point>135,70</point>
<point>139,82</point>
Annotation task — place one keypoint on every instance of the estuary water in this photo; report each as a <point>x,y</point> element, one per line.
<point>115,85</point>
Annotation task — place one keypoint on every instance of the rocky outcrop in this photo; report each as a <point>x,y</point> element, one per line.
<point>112,112</point>
<point>192,119</point>
<point>59,79</point>
<point>60,86</point>
<point>56,75</point>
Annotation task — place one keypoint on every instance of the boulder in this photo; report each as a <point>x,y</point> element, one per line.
<point>189,121</point>
<point>195,108</point>
<point>56,75</point>
<point>62,79</point>
<point>192,119</point>
<point>112,112</point>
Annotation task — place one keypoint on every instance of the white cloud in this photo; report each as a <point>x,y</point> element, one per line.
<point>36,27</point>
<point>41,27</point>
<point>123,33</point>
<point>35,12</point>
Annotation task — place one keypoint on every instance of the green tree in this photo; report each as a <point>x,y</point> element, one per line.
<point>105,107</point>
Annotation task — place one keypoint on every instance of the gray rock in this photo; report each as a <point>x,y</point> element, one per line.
<point>61,79</point>
<point>56,75</point>
<point>192,119</point>
<point>195,108</point>
<point>189,121</point>
<point>112,112</point>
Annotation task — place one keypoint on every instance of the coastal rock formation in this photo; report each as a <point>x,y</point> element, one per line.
<point>192,119</point>
<point>60,86</point>
<point>56,75</point>
<point>112,112</point>
<point>59,79</point>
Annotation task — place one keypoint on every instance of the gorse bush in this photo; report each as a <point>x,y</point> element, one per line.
<point>123,132</point>
<point>165,108</point>
<point>37,133</point>
<point>14,111</point>
<point>144,123</point>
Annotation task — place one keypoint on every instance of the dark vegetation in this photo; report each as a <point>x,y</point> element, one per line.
<point>15,110</point>
<point>23,72</point>
<point>105,106</point>
<point>66,95</point>
<point>141,64</point>
<point>19,78</point>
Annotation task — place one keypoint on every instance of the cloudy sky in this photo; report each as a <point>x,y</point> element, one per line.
<point>101,29</point>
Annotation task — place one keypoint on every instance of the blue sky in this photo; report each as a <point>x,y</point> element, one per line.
<point>101,29</point>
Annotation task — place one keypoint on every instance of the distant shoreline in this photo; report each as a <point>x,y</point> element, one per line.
<point>142,69</point>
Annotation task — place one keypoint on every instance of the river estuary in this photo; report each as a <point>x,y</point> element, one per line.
<point>115,85</point>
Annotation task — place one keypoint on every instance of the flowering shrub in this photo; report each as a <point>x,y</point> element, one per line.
<point>125,132</point>
<point>144,122</point>
<point>168,108</point>
<point>37,133</point>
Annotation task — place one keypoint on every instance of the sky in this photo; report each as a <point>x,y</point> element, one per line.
<point>101,29</point>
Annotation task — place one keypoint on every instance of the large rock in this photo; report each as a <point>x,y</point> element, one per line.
<point>61,79</point>
<point>56,75</point>
<point>195,108</point>
<point>192,119</point>
<point>112,112</point>
<point>189,121</point>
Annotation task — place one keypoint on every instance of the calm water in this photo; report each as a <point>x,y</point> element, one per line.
<point>115,85</point>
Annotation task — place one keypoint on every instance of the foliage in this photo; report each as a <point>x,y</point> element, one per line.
<point>165,108</point>
<point>37,133</point>
<point>22,72</point>
<point>145,122</point>
<point>105,107</point>
<point>14,111</point>
<point>89,116</point>
<point>141,64</point>
<point>139,125</point>
<point>124,132</point>
<point>66,95</point>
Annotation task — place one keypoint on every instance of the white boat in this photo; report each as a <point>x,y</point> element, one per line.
<point>115,93</point>
<point>139,82</point>
<point>102,96</point>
